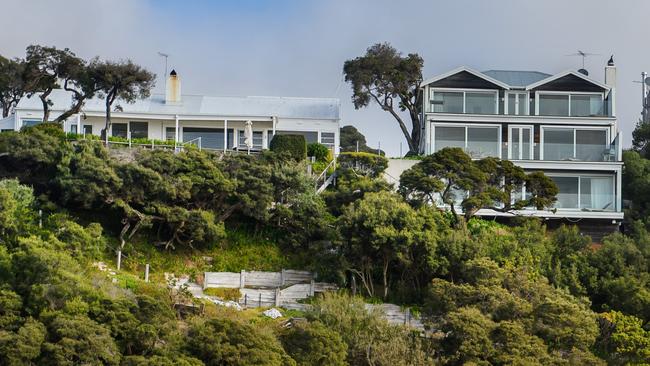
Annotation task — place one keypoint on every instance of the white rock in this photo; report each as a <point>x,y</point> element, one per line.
<point>272,313</point>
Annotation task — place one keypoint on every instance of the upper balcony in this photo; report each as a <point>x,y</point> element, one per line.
<point>517,93</point>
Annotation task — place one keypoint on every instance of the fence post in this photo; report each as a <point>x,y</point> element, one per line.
<point>407,316</point>
<point>146,272</point>
<point>259,301</point>
<point>242,279</point>
<point>311,287</point>
<point>245,300</point>
<point>282,277</point>
<point>277,296</point>
<point>152,144</point>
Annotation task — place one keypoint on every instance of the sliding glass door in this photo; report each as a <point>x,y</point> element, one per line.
<point>568,143</point>
<point>520,145</point>
<point>589,193</point>
<point>479,141</point>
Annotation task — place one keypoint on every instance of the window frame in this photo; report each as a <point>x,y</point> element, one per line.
<point>574,129</point>
<point>517,94</point>
<point>241,143</point>
<point>580,177</point>
<point>532,141</point>
<point>432,92</point>
<point>466,126</point>
<point>543,92</point>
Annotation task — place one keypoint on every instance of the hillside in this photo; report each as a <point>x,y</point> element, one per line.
<point>487,293</point>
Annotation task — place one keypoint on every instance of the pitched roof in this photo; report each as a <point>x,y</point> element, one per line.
<point>469,70</point>
<point>565,73</point>
<point>284,107</point>
<point>516,78</point>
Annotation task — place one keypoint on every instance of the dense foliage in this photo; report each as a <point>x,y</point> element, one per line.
<point>293,145</point>
<point>487,293</point>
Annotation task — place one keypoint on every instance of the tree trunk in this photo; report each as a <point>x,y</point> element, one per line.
<point>110,97</point>
<point>74,110</point>
<point>385,278</point>
<point>5,110</point>
<point>46,105</point>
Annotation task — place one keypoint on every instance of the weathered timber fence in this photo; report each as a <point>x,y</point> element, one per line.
<point>286,277</point>
<point>262,289</point>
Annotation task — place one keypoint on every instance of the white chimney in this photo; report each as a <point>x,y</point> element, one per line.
<point>610,80</point>
<point>173,92</point>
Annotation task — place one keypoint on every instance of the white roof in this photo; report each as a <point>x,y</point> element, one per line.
<point>7,123</point>
<point>199,105</point>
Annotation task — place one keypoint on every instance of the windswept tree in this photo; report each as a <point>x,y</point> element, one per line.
<point>122,80</point>
<point>44,66</point>
<point>82,80</point>
<point>12,84</point>
<point>452,178</point>
<point>391,80</point>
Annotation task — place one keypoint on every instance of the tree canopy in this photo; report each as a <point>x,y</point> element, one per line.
<point>392,81</point>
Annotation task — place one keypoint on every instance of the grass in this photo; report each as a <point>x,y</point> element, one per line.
<point>240,251</point>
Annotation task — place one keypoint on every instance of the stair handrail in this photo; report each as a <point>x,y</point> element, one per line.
<point>323,174</point>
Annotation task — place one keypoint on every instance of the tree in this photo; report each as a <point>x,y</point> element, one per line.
<point>451,176</point>
<point>122,80</point>
<point>44,66</point>
<point>80,79</point>
<point>350,138</point>
<point>12,83</point>
<point>381,233</point>
<point>314,344</point>
<point>641,138</point>
<point>226,341</point>
<point>384,76</point>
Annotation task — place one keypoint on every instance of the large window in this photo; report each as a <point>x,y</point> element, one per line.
<point>478,141</point>
<point>473,102</point>
<point>517,104</point>
<point>257,140</point>
<point>120,130</point>
<point>139,130</point>
<point>574,144</point>
<point>574,105</point>
<point>585,192</point>
<point>327,139</point>
<point>31,122</point>
<point>211,138</point>
<point>521,142</point>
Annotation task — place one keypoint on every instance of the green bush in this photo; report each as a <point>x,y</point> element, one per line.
<point>319,151</point>
<point>52,129</point>
<point>366,163</point>
<point>295,145</point>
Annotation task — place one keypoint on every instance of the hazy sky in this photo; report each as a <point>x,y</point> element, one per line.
<point>297,47</point>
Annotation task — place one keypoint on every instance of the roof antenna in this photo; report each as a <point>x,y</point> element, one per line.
<point>583,55</point>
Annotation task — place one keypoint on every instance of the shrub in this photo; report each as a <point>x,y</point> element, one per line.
<point>52,129</point>
<point>294,145</point>
<point>228,294</point>
<point>319,151</point>
<point>369,164</point>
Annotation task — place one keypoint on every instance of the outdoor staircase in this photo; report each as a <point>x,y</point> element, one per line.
<point>323,180</point>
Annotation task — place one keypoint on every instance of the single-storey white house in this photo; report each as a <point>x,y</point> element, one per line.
<point>217,122</point>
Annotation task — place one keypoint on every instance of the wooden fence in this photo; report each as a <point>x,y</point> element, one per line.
<point>256,279</point>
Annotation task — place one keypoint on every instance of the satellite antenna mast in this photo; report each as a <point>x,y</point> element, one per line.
<point>645,83</point>
<point>165,55</point>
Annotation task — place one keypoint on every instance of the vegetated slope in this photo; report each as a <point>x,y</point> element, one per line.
<point>489,293</point>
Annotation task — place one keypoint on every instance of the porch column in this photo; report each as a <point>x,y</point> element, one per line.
<point>79,132</point>
<point>619,183</point>
<point>225,135</point>
<point>274,120</point>
<point>176,131</point>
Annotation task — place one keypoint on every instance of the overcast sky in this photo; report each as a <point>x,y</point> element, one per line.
<point>297,47</point>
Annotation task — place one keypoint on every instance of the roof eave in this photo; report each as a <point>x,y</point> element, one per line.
<point>471,71</point>
<point>565,73</point>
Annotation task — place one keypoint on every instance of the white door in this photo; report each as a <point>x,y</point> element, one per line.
<point>521,142</point>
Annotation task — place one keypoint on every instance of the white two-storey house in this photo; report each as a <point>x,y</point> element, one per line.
<point>563,124</point>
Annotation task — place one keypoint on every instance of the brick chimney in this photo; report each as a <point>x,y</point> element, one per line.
<point>173,92</point>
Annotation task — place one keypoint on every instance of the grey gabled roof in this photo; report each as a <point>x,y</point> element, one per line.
<point>515,78</point>
<point>200,105</point>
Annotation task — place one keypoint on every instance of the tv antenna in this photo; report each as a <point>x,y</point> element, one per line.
<point>165,55</point>
<point>584,55</point>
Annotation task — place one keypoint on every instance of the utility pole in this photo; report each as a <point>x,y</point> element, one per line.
<point>644,97</point>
